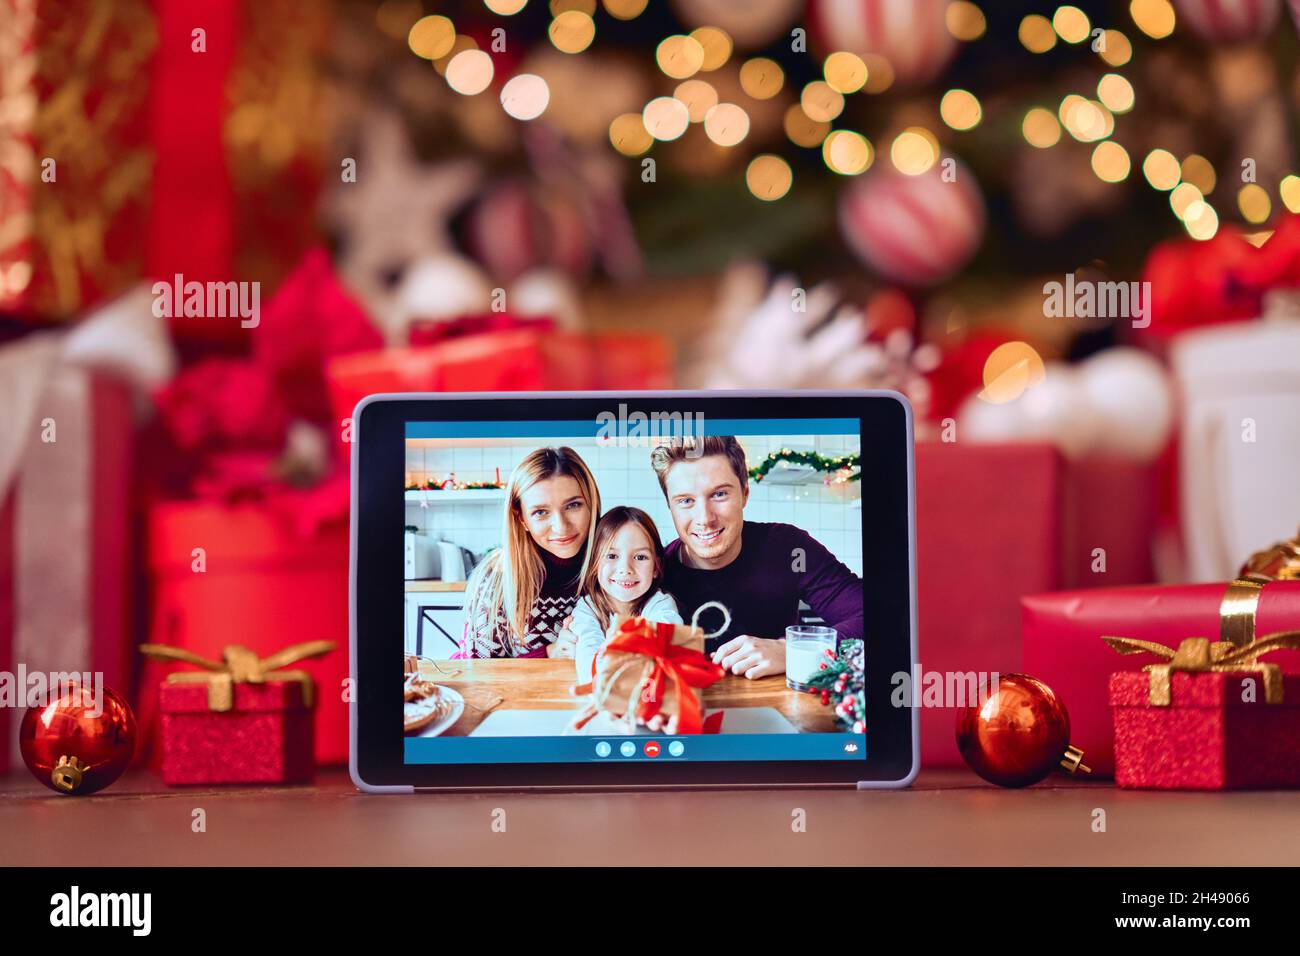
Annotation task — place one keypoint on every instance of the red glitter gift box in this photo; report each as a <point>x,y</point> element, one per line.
<point>266,737</point>
<point>1221,729</point>
<point>245,719</point>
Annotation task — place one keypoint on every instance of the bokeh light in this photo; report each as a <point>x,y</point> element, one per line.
<point>768,177</point>
<point>1071,24</point>
<point>1198,171</point>
<point>914,151</point>
<point>965,21</point>
<point>699,97</point>
<point>505,8</point>
<point>525,96</point>
<point>716,45</point>
<point>1040,128</point>
<point>628,135</point>
<point>666,118</point>
<point>625,9</point>
<point>1155,18</point>
<point>572,31</point>
<point>726,124</point>
<point>1182,198</point>
<point>761,78</point>
<point>1085,120</point>
<point>1289,190</point>
<point>821,102</point>
<point>1201,221</point>
<point>847,153</point>
<point>1036,33</point>
<point>1010,369</point>
<point>680,56</point>
<point>960,109</point>
<point>469,72</point>
<point>803,130</point>
<point>431,37</point>
<point>1116,93</point>
<point>1110,162</point>
<point>1161,169</point>
<point>1115,48</point>
<point>1253,201</point>
<point>845,72</point>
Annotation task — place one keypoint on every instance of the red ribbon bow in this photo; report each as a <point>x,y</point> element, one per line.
<point>685,667</point>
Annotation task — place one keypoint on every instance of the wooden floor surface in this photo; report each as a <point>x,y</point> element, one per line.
<point>947,818</point>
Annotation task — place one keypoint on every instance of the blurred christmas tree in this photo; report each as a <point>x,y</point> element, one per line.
<point>822,136</point>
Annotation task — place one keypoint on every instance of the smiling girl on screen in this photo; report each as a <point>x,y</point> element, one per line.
<point>623,577</point>
<point>520,598</point>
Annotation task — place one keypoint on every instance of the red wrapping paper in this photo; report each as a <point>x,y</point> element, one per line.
<point>267,584</point>
<point>1063,648</point>
<point>73,229</point>
<point>266,738</point>
<point>1208,738</point>
<point>239,146</point>
<point>997,522</point>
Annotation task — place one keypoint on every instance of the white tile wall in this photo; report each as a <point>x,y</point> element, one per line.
<point>625,478</point>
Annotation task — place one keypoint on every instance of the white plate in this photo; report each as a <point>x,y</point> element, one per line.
<point>457,702</point>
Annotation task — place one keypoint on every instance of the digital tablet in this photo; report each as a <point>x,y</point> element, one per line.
<point>632,590</point>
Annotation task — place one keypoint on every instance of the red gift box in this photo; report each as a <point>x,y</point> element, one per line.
<point>1062,645</point>
<point>1208,737</point>
<point>267,737</point>
<point>996,522</point>
<point>239,149</point>
<point>65,544</point>
<point>522,359</point>
<point>264,584</point>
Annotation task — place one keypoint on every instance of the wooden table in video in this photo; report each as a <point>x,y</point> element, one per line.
<point>543,684</point>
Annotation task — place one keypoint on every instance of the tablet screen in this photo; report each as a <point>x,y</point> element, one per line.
<point>633,587</point>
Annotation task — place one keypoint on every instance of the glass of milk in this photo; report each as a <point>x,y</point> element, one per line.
<point>805,652</point>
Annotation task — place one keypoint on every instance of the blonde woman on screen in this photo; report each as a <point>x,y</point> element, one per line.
<point>519,599</point>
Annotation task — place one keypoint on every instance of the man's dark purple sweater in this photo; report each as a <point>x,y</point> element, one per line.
<point>762,587</point>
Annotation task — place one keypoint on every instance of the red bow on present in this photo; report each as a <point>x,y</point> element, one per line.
<point>685,667</point>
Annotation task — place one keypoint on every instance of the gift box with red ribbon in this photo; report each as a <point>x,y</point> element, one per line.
<point>1211,716</point>
<point>242,719</point>
<point>1061,633</point>
<point>221,571</point>
<point>647,669</point>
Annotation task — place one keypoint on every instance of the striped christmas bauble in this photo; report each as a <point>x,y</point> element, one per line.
<point>1229,21</point>
<point>917,230</point>
<point>516,228</point>
<point>911,34</point>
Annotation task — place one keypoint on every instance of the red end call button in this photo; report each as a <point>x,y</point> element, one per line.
<point>652,748</point>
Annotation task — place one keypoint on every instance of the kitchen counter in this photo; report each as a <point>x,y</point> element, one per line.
<point>428,586</point>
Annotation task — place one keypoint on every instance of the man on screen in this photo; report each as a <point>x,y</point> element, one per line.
<point>758,570</point>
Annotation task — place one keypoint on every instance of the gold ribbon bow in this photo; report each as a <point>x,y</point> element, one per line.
<point>1200,655</point>
<point>1281,562</point>
<point>240,665</point>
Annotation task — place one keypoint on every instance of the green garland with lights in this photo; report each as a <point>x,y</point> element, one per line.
<point>810,459</point>
<point>460,486</point>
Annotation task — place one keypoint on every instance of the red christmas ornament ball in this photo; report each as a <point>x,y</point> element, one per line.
<point>911,34</point>
<point>79,742</point>
<point>914,230</point>
<point>1018,735</point>
<point>1229,21</point>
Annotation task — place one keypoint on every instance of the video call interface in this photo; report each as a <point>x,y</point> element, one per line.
<point>633,588</point>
